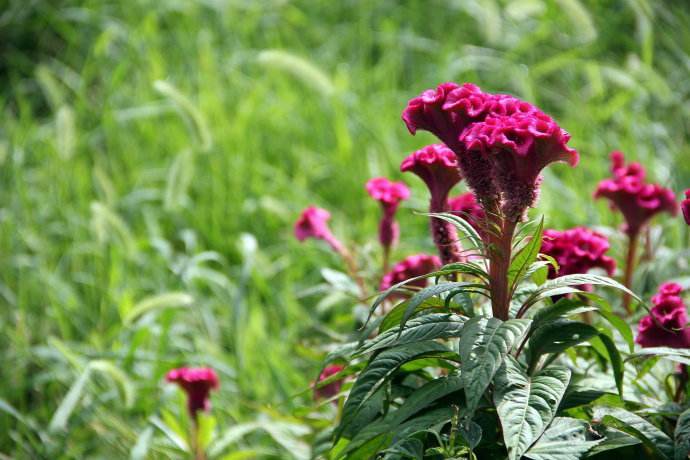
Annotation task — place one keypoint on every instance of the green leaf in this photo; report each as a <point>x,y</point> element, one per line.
<point>69,402</point>
<point>527,404</point>
<point>614,358</point>
<point>427,327</point>
<point>524,258</point>
<point>564,307</point>
<point>141,447</point>
<point>677,355</point>
<point>577,395</point>
<point>634,425</point>
<point>433,291</point>
<point>394,316</point>
<point>158,302</point>
<point>461,224</point>
<point>377,371</point>
<point>621,326</point>
<point>566,439</point>
<point>556,336</point>
<point>682,436</point>
<point>483,345</point>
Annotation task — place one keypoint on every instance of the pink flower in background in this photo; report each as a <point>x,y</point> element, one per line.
<point>197,383</point>
<point>637,200</point>
<point>666,325</point>
<point>577,251</point>
<point>332,389</point>
<point>467,207</point>
<point>313,223</point>
<point>416,265</point>
<point>389,194</point>
<point>685,206</point>
<point>502,143</point>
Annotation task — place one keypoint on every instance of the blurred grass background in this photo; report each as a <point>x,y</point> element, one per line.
<point>154,155</point>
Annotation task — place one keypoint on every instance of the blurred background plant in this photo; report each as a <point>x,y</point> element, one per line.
<point>154,156</point>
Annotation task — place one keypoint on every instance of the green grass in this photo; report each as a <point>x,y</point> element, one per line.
<point>165,148</point>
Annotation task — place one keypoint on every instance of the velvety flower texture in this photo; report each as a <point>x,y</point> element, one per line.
<point>502,143</point>
<point>389,194</point>
<point>331,389</point>
<point>666,325</point>
<point>577,251</point>
<point>416,265</point>
<point>637,200</point>
<point>685,206</point>
<point>197,383</point>
<point>437,166</point>
<point>467,207</point>
<point>313,223</point>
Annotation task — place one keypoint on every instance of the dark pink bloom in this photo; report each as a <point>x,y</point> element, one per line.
<point>467,207</point>
<point>389,194</point>
<point>637,200</point>
<point>437,166</point>
<point>685,206</point>
<point>666,325</point>
<point>197,383</point>
<point>313,223</point>
<point>502,143</point>
<point>332,389</point>
<point>577,251</point>
<point>416,265</point>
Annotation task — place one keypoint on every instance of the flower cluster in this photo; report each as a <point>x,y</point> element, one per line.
<point>197,383</point>
<point>502,143</point>
<point>577,250</point>
<point>685,206</point>
<point>467,207</point>
<point>666,325</point>
<point>437,166</point>
<point>313,223</point>
<point>636,199</point>
<point>416,265</point>
<point>389,194</point>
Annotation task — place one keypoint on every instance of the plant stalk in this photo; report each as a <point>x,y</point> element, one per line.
<point>633,240</point>
<point>500,237</point>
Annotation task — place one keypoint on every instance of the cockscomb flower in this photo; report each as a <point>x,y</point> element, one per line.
<point>389,194</point>
<point>467,207</point>
<point>333,388</point>
<point>685,206</point>
<point>637,200</point>
<point>666,325</point>
<point>313,223</point>
<point>502,143</point>
<point>416,265</point>
<point>577,251</point>
<point>437,166</point>
<point>197,383</point>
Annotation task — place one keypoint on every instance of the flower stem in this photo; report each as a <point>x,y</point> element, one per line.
<point>197,449</point>
<point>386,258</point>
<point>500,236</point>
<point>633,239</point>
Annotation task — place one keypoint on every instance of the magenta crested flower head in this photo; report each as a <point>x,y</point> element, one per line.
<point>411,266</point>
<point>502,143</point>
<point>388,193</point>
<point>437,166</point>
<point>685,206</point>
<point>636,199</point>
<point>313,223</point>
<point>332,389</point>
<point>577,251</point>
<point>666,325</point>
<point>467,207</point>
<point>197,383</point>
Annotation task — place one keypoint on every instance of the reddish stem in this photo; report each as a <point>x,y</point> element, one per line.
<point>500,237</point>
<point>633,239</point>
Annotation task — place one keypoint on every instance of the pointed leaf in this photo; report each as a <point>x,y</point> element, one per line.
<point>682,436</point>
<point>636,426</point>
<point>566,439</point>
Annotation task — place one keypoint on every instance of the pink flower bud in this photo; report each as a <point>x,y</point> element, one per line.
<point>332,389</point>
<point>685,206</point>
<point>666,325</point>
<point>389,194</point>
<point>577,251</point>
<point>313,223</point>
<point>412,266</point>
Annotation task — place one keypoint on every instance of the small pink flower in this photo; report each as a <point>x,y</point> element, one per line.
<point>332,389</point>
<point>412,266</point>
<point>685,206</point>
<point>313,223</point>
<point>437,166</point>
<point>577,251</point>
<point>389,194</point>
<point>467,207</point>
<point>197,383</point>
<point>637,200</point>
<point>666,325</point>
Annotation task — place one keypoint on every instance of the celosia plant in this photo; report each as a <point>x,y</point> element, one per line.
<point>389,194</point>
<point>485,356</point>
<point>197,384</point>
<point>685,206</point>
